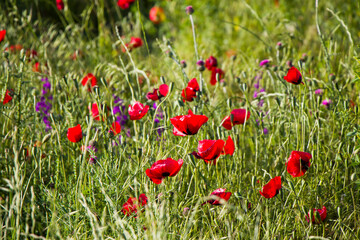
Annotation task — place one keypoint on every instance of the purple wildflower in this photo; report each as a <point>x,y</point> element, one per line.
<point>265,131</point>
<point>319,92</point>
<point>261,103</point>
<point>264,62</point>
<point>326,102</point>
<point>119,111</point>
<point>44,105</point>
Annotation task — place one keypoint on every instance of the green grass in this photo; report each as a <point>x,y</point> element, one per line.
<point>55,194</point>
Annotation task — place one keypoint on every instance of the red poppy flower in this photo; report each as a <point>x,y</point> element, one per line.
<point>187,124</point>
<point>164,168</point>
<point>189,93</point>
<point>95,112</point>
<point>36,67</point>
<point>214,72</point>
<point>209,150</point>
<point>8,97</point>
<point>220,196</point>
<point>89,79</point>
<point>229,147</point>
<point>124,4</point>
<point>157,15</point>
<point>132,204</point>
<point>239,116</point>
<point>134,43</point>
<point>315,219</point>
<point>2,35</point>
<point>74,134</point>
<point>293,76</point>
<point>157,94</point>
<point>298,163</point>
<point>271,189</point>
<point>137,111</point>
<point>115,128</point>
<point>211,63</point>
<point>59,5</point>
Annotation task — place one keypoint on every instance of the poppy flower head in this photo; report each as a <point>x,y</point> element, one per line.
<point>89,80</point>
<point>163,90</point>
<point>124,4</point>
<point>115,128</point>
<point>59,5</point>
<point>136,42</point>
<point>157,15</point>
<point>74,134</point>
<point>158,93</point>
<point>189,93</point>
<point>239,117</point>
<point>216,72</point>
<point>293,76</point>
<point>319,215</point>
<point>132,204</point>
<point>95,112</point>
<point>2,35</point>
<point>298,163</point>
<point>272,188</point>
<point>187,124</point>
<point>8,96</point>
<point>229,147</point>
<point>36,67</point>
<point>211,63</point>
<point>164,168</point>
<point>137,111</point>
<point>220,195</point>
<point>153,95</point>
<point>209,150</point>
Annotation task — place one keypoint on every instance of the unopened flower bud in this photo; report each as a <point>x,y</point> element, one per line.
<point>189,10</point>
<point>200,65</point>
<point>183,63</point>
<point>332,77</point>
<point>304,57</point>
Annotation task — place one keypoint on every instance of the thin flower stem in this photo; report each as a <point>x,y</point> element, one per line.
<point>194,36</point>
<point>196,51</point>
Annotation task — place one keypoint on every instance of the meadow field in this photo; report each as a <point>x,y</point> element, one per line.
<point>179,119</point>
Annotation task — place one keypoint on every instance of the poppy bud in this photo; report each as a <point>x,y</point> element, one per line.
<point>46,138</point>
<point>189,10</point>
<point>233,57</point>
<point>162,79</point>
<point>332,77</point>
<point>169,53</point>
<point>304,57</point>
<point>275,68</point>
<point>183,64</point>
<point>279,45</point>
<point>289,63</point>
<point>200,65</point>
